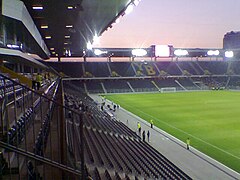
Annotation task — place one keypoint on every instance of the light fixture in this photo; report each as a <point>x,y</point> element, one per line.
<point>52,49</point>
<point>136,2</point>
<point>65,43</point>
<point>70,7</point>
<point>12,46</point>
<point>89,45</point>
<point>139,52</point>
<point>48,37</point>
<point>69,26</point>
<point>180,52</point>
<point>117,20</point>
<point>98,52</point>
<point>162,51</point>
<point>213,53</point>
<point>96,39</point>
<point>37,7</point>
<point>229,54</point>
<point>67,36</point>
<point>44,26</point>
<point>129,9</point>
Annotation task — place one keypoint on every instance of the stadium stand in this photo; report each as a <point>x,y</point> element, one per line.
<point>58,131</point>
<point>73,69</point>
<point>188,67</point>
<point>143,85</point>
<point>98,70</point>
<point>184,75</point>
<point>216,68</point>
<point>114,86</point>
<point>123,69</point>
<point>169,67</point>
<point>38,112</point>
<point>126,155</point>
<point>94,86</point>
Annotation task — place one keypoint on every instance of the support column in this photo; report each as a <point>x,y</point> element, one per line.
<point>4,32</point>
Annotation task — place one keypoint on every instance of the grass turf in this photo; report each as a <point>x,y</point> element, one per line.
<point>211,119</point>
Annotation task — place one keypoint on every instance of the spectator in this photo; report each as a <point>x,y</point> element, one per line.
<point>143,135</point>
<point>188,143</point>
<point>151,122</point>
<point>34,81</point>
<point>139,128</point>
<point>148,135</point>
<point>38,80</point>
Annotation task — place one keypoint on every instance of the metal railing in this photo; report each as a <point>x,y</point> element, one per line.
<point>33,139</point>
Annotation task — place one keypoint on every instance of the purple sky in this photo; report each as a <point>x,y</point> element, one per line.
<point>181,23</point>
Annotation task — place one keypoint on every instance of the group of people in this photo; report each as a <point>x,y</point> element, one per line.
<point>148,133</point>
<point>113,108</point>
<point>143,133</point>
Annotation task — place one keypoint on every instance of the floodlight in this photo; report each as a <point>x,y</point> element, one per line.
<point>98,52</point>
<point>70,7</point>
<point>12,46</point>
<point>44,26</point>
<point>213,52</point>
<point>129,9</point>
<point>37,7</point>
<point>162,51</point>
<point>181,52</point>
<point>89,46</point>
<point>96,39</point>
<point>139,52</point>
<point>136,2</point>
<point>117,20</point>
<point>229,54</point>
<point>69,26</point>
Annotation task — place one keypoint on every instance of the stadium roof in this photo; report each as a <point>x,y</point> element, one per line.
<point>69,25</point>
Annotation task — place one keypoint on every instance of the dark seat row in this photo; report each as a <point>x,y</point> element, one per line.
<point>17,132</point>
<point>111,145</point>
<point>130,156</point>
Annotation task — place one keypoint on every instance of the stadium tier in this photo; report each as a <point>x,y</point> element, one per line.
<point>128,155</point>
<point>151,69</point>
<point>105,77</point>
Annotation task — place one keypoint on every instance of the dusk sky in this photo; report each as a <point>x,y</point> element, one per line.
<point>181,23</point>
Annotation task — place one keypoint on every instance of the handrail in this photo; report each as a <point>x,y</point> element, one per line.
<point>148,77</point>
<point>41,95</point>
<point>40,158</point>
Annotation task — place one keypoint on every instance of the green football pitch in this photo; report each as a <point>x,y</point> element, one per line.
<point>211,119</point>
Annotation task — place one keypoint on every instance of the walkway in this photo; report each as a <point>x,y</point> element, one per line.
<point>194,163</point>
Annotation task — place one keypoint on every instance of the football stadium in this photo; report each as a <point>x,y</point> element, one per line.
<point>73,111</point>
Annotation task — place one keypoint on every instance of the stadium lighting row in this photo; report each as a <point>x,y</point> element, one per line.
<point>164,51</point>
<point>127,11</point>
<point>160,50</point>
